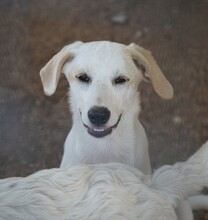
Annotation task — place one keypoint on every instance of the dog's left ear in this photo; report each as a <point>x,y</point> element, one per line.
<point>151,71</point>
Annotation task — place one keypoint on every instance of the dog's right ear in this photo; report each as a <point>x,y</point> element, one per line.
<point>51,72</point>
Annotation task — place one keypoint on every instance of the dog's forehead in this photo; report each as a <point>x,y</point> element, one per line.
<point>102,53</point>
<point>101,47</point>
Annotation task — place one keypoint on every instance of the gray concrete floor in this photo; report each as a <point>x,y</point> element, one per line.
<point>33,127</point>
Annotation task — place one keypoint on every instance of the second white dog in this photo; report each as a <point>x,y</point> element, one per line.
<point>103,191</point>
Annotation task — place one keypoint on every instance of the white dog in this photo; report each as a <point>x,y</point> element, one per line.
<point>105,103</point>
<point>103,192</point>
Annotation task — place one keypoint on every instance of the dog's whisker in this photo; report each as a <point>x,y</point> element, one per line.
<point>66,95</point>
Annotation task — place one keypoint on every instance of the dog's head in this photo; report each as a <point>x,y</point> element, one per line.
<point>104,78</point>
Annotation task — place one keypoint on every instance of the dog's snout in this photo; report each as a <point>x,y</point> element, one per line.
<point>98,115</point>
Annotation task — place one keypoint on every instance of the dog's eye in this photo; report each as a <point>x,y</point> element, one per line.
<point>83,78</point>
<point>120,80</point>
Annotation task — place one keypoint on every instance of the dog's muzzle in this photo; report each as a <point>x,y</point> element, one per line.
<point>100,132</point>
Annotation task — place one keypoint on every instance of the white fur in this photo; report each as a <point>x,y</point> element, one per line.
<point>103,62</point>
<point>103,191</point>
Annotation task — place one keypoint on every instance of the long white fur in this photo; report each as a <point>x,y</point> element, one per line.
<point>103,61</point>
<point>176,179</point>
<point>104,191</point>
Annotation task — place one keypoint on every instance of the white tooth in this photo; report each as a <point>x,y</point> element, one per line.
<point>99,129</point>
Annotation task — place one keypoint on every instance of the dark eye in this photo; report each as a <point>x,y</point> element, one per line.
<point>120,80</point>
<point>83,78</point>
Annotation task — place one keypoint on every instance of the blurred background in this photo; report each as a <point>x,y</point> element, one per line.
<point>33,127</point>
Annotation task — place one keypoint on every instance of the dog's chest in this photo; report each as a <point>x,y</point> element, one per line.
<point>107,151</point>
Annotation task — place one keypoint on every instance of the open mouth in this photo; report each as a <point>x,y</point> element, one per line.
<point>100,132</point>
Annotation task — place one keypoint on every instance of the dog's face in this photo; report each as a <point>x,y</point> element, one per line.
<point>103,78</point>
<point>103,85</point>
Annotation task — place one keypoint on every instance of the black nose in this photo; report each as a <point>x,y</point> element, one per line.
<point>98,115</point>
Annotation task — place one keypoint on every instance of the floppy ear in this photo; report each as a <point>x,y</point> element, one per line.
<point>145,61</point>
<point>51,72</point>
